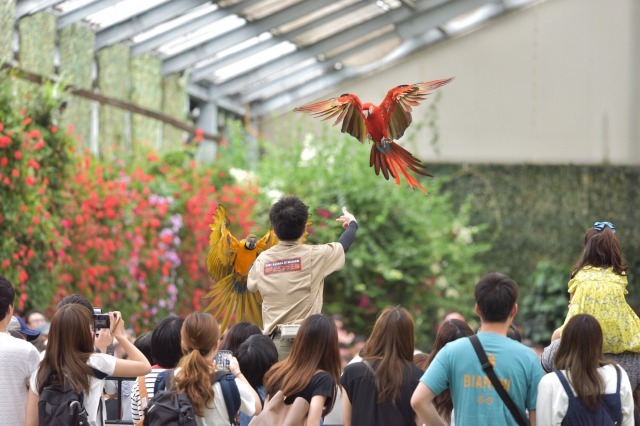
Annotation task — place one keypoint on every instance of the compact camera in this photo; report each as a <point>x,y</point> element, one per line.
<point>100,320</point>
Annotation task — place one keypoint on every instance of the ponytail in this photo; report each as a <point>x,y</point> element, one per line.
<point>195,379</point>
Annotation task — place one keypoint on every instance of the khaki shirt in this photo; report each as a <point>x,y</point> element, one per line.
<point>290,279</point>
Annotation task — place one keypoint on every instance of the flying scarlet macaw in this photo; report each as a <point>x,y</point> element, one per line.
<point>228,263</point>
<point>381,124</point>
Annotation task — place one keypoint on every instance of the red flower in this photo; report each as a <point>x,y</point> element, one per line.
<point>54,129</point>
<point>5,141</point>
<point>23,276</point>
<point>18,155</point>
<point>33,164</point>
<point>29,180</point>
<point>15,172</point>
<point>4,161</point>
<point>39,145</point>
<point>6,263</point>
<point>35,133</point>
<point>26,121</point>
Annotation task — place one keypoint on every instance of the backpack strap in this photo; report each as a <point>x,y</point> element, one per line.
<point>565,384</point>
<point>99,374</point>
<point>163,381</point>
<point>230,393</point>
<point>488,369</point>
<point>606,407</point>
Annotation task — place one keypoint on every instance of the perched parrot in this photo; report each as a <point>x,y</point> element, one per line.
<point>228,263</point>
<point>381,124</point>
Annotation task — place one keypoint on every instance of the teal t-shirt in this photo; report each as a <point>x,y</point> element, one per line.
<point>456,367</point>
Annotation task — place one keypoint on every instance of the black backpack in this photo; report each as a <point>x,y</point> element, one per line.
<point>168,407</point>
<point>59,406</point>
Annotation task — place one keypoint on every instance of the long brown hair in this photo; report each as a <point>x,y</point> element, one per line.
<point>314,348</point>
<point>390,349</point>
<point>69,347</point>
<point>601,249</point>
<point>449,331</point>
<point>580,354</point>
<point>200,333</point>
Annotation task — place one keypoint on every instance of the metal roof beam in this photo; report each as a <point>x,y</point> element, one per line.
<point>239,82</point>
<point>428,20</point>
<point>185,59</point>
<point>29,7</point>
<point>82,12</point>
<point>194,25</point>
<point>143,22</point>
<point>282,83</point>
<point>202,73</point>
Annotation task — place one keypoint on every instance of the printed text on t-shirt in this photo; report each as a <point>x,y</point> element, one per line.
<point>284,265</point>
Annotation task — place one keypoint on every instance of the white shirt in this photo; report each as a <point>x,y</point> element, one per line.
<point>553,402</point>
<point>102,362</point>
<point>217,414</point>
<point>18,360</point>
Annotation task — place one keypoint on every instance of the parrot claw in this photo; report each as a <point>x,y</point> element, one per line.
<point>385,145</point>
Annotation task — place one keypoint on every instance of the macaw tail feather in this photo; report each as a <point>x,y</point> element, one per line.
<point>230,296</point>
<point>395,162</point>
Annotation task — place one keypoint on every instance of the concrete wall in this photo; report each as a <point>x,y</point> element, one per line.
<point>555,83</point>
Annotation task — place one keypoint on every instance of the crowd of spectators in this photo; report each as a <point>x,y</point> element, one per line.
<point>309,361</point>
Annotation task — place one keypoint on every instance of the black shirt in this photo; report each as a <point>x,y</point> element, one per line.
<point>360,385</point>
<point>321,384</point>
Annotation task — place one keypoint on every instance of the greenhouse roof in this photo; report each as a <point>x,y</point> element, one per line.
<point>262,56</point>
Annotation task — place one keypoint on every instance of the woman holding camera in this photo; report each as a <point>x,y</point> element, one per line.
<point>71,363</point>
<point>196,372</point>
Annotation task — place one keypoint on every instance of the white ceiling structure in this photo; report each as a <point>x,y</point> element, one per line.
<point>263,56</point>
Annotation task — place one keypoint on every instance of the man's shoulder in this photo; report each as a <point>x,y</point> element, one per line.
<point>9,342</point>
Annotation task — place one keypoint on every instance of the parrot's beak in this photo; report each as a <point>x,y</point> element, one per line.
<point>366,113</point>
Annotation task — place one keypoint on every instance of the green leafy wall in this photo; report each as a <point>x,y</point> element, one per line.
<point>114,80</point>
<point>76,60</point>
<point>37,45</point>
<point>540,213</point>
<point>6,28</point>
<point>146,91</point>
<point>174,104</point>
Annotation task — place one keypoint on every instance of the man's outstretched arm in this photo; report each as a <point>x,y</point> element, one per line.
<point>350,227</point>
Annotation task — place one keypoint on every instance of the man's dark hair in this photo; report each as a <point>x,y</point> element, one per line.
<point>7,296</point>
<point>76,299</point>
<point>255,357</point>
<point>495,295</point>
<point>165,342</point>
<point>143,343</point>
<point>289,218</point>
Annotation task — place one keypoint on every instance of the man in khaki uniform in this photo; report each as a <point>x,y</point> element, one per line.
<point>290,276</point>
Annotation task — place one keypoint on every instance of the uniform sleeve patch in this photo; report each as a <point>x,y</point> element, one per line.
<point>284,265</point>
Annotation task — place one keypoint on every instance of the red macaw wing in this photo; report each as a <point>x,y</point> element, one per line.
<point>223,246</point>
<point>346,108</point>
<point>406,96</point>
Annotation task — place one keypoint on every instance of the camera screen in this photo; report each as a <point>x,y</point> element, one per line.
<point>101,321</point>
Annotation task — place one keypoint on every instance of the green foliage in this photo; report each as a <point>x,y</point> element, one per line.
<point>6,28</point>
<point>76,44</point>
<point>545,307</point>
<point>411,250</point>
<point>146,91</point>
<point>174,104</point>
<point>114,80</point>
<point>537,213</point>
